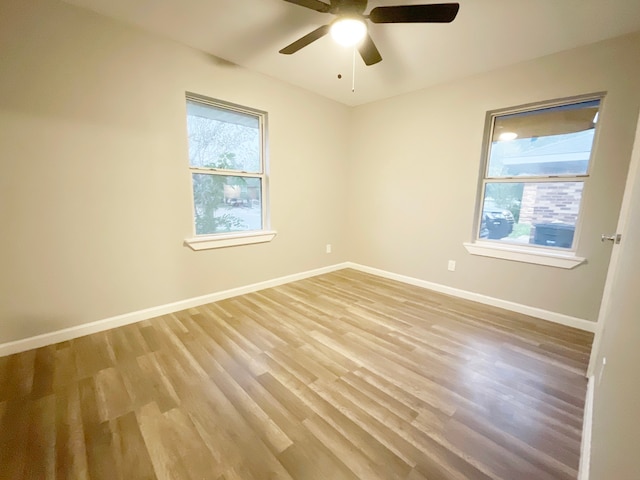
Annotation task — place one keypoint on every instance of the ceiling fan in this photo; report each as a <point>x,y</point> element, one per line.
<point>352,11</point>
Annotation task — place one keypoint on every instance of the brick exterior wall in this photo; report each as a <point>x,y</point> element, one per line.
<point>551,202</point>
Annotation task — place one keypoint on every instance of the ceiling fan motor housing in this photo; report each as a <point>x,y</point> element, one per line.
<point>348,7</point>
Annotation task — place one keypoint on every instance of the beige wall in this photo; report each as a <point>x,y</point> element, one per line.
<point>94,188</point>
<point>95,194</point>
<point>414,170</point>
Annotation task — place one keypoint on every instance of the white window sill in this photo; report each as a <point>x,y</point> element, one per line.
<point>523,254</point>
<point>207,242</point>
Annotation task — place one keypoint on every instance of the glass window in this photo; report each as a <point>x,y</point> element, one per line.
<point>536,164</point>
<point>226,159</point>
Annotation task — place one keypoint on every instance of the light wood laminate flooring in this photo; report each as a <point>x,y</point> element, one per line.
<point>341,376</point>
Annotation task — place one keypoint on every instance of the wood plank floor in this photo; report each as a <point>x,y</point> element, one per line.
<point>341,376</point>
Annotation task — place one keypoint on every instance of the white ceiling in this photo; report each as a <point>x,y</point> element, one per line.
<point>486,34</point>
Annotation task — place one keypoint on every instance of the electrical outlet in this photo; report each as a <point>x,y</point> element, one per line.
<point>452,266</point>
<point>328,248</point>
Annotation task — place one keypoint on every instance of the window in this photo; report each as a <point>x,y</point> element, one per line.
<point>535,164</point>
<point>228,174</point>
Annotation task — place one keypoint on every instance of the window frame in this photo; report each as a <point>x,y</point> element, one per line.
<point>530,253</point>
<point>242,237</point>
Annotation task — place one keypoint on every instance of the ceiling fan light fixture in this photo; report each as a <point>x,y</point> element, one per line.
<point>348,31</point>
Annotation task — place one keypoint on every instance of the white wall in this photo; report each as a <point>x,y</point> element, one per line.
<point>95,197</point>
<point>616,430</point>
<point>414,168</point>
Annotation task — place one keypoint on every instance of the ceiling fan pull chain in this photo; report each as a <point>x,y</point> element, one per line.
<point>353,72</point>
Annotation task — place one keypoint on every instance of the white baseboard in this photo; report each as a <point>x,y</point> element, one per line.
<point>133,317</point>
<point>560,318</point>
<point>587,425</point>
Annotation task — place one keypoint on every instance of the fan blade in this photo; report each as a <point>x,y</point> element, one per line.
<point>435,13</point>
<point>369,52</point>
<point>306,40</point>
<point>316,5</point>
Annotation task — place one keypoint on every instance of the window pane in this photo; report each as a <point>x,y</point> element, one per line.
<point>222,138</point>
<point>224,203</point>
<point>541,213</point>
<point>548,141</point>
